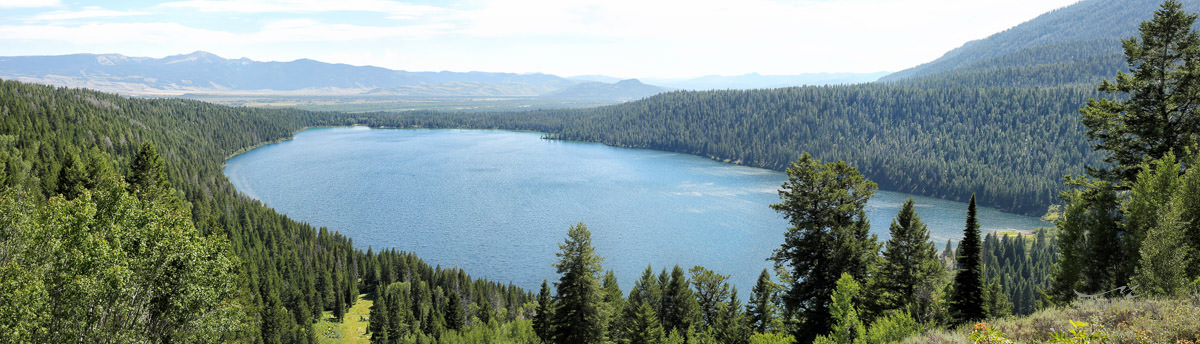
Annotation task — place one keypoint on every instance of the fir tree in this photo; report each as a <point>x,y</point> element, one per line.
<point>578,317</point>
<point>730,324</point>
<point>541,320</point>
<point>995,300</point>
<point>640,320</point>
<point>73,177</point>
<point>454,313</point>
<point>680,309</point>
<point>966,304</point>
<point>148,175</point>
<point>613,304</point>
<point>378,325</point>
<point>909,261</point>
<point>760,311</point>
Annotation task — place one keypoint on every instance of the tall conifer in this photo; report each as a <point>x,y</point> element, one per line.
<point>577,316</point>
<point>966,304</point>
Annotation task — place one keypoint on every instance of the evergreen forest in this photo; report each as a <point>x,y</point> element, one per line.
<point>117,224</point>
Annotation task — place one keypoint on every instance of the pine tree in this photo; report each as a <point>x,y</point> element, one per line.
<point>966,304</point>
<point>148,175</point>
<point>1151,112</point>
<point>339,309</point>
<point>378,324</point>
<point>995,301</point>
<point>640,320</point>
<point>73,177</point>
<point>1088,227</point>
<point>760,312</point>
<point>643,328</point>
<point>680,308</point>
<point>541,320</point>
<point>829,235</point>
<point>909,262</point>
<point>577,316</point>
<point>454,314</point>
<point>610,292</point>
<point>730,324</point>
<point>711,290</point>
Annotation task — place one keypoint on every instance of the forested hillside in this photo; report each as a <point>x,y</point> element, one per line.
<point>1010,146</point>
<point>1077,45</point>
<point>997,117</point>
<point>60,147</point>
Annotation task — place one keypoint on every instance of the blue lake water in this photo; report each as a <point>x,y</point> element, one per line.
<point>498,203</point>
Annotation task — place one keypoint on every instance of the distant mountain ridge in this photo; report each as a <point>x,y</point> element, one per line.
<point>1076,45</point>
<point>201,72</point>
<point>758,81</point>
<point>631,89</point>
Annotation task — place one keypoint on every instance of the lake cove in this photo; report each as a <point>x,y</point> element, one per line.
<point>498,203</point>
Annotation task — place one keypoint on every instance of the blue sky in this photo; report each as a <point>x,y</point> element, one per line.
<point>622,38</point>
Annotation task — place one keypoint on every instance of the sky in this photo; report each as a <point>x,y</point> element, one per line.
<point>619,38</point>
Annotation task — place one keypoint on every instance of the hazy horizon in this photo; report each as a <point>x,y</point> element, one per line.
<point>621,39</point>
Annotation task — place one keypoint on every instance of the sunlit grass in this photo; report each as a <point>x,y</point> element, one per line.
<point>352,330</point>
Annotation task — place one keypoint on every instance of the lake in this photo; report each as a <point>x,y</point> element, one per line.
<point>498,203</point>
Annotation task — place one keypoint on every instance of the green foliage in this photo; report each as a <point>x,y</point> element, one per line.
<point>910,139</point>
<point>910,270</point>
<point>995,300</point>
<point>847,326</point>
<point>639,321</point>
<point>772,338</point>
<point>1154,215</point>
<point>1148,114</point>
<point>966,304</point>
<point>454,313</point>
<point>680,309</point>
<point>148,175</point>
<point>984,334</point>
<point>892,328</point>
<point>712,289</point>
<point>1089,242</point>
<point>763,306</point>
<point>545,312</point>
<point>614,304</point>
<point>110,265</point>
<point>577,314</point>
<point>1021,265</point>
<point>829,236</point>
<point>1080,333</point>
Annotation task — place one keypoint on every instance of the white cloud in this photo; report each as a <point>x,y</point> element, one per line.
<point>392,8</point>
<point>89,12</point>
<point>29,3</point>
<point>114,33</point>
<point>625,38</point>
<point>282,31</point>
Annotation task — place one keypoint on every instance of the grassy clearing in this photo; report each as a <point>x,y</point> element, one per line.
<point>352,330</point>
<point>1118,320</point>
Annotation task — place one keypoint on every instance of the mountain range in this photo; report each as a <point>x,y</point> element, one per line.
<point>205,73</point>
<point>758,81</point>
<point>1077,45</point>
